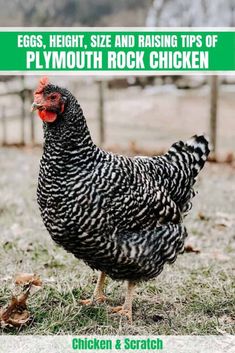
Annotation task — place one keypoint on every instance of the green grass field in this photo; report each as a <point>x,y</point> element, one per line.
<point>195,296</point>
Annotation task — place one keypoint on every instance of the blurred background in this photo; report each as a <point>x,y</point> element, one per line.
<point>117,13</point>
<point>135,114</point>
<point>142,114</point>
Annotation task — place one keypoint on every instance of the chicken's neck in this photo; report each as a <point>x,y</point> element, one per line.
<point>70,133</point>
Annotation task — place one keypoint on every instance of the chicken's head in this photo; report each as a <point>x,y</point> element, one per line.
<point>48,101</point>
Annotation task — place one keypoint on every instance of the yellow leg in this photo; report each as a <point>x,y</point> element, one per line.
<point>126,308</point>
<point>98,296</point>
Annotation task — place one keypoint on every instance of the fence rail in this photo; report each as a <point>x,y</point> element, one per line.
<point>25,95</point>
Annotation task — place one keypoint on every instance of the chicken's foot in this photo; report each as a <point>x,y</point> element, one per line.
<point>98,295</point>
<point>126,308</point>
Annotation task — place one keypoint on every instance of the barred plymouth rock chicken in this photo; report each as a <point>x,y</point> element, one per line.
<point>123,216</point>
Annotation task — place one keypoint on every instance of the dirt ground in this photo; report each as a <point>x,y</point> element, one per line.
<point>193,296</point>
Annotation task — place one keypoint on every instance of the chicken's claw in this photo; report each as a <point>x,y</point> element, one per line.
<point>99,300</point>
<point>123,312</point>
<point>86,302</point>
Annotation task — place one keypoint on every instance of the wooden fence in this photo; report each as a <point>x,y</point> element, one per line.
<point>26,94</point>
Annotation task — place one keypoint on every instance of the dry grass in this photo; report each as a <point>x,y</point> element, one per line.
<point>194,296</point>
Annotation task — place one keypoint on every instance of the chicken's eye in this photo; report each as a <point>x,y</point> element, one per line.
<point>53,97</point>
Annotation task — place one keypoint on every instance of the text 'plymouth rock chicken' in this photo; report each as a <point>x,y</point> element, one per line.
<point>122,216</point>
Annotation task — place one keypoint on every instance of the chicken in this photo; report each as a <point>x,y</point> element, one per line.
<point>122,216</point>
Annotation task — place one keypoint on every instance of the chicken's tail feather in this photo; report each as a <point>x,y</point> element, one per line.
<point>193,153</point>
<point>198,146</point>
<point>189,158</point>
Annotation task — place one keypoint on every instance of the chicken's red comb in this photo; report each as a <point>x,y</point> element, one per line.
<point>42,84</point>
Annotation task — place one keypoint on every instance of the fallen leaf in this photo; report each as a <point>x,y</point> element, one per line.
<point>224,224</point>
<point>27,278</point>
<point>189,248</point>
<point>19,319</point>
<point>16,313</point>
<point>203,217</point>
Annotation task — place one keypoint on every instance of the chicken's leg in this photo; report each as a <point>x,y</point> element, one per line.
<point>98,295</point>
<point>126,308</point>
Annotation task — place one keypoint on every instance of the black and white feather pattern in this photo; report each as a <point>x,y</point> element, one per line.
<point>120,215</point>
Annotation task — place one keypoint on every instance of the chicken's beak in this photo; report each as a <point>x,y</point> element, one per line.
<point>35,106</point>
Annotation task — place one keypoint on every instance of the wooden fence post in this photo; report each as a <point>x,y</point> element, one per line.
<point>101,112</point>
<point>4,127</point>
<point>22,95</point>
<point>32,130</point>
<point>213,112</point>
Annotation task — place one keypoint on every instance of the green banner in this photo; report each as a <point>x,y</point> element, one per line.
<point>117,50</point>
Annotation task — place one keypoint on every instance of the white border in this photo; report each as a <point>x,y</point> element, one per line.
<point>117,29</point>
<point>63,344</point>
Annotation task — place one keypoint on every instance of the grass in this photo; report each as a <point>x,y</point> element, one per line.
<point>195,296</point>
<point>188,303</point>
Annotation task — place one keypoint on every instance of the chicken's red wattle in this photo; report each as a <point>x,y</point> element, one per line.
<point>48,117</point>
